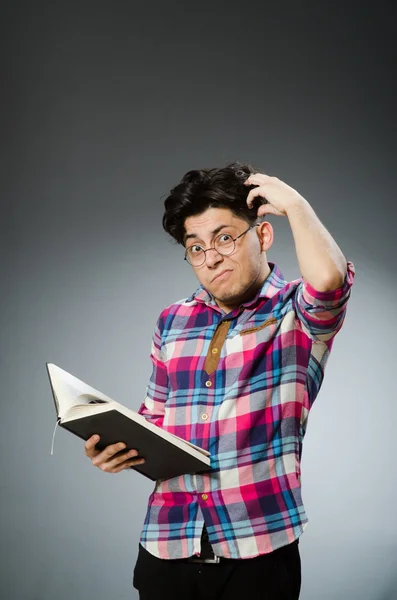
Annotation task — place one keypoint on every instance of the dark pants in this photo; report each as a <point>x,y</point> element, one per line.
<point>274,576</point>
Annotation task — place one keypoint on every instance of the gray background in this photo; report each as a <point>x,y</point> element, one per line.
<point>105,105</point>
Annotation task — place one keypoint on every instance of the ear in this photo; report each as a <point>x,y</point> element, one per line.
<point>265,234</point>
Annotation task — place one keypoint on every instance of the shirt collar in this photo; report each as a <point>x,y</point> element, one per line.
<point>272,284</point>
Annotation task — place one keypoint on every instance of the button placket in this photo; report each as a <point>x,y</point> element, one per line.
<point>215,347</point>
<point>207,400</point>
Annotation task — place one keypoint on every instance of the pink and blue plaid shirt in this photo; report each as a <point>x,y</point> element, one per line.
<point>241,386</point>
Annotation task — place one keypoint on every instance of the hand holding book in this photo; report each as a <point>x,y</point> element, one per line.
<point>112,459</point>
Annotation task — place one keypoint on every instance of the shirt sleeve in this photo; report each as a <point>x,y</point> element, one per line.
<point>152,407</point>
<point>322,313</point>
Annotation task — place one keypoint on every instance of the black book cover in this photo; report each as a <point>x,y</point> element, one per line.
<point>163,460</point>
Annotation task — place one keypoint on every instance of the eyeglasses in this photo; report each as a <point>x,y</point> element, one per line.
<point>224,244</point>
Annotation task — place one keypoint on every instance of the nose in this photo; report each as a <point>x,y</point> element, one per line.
<point>212,257</point>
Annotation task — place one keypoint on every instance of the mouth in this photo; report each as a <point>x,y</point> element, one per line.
<point>222,275</point>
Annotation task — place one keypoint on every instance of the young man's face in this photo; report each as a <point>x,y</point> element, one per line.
<point>235,278</point>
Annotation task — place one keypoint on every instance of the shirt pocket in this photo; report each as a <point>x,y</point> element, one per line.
<point>254,334</point>
<point>253,328</point>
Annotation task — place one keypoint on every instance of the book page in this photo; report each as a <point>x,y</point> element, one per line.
<point>83,410</point>
<point>70,391</point>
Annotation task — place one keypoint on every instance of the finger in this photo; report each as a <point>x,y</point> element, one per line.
<point>257,179</point>
<point>128,464</point>
<point>91,443</point>
<point>115,461</point>
<point>108,453</point>
<point>255,193</point>
<point>117,465</point>
<point>264,209</point>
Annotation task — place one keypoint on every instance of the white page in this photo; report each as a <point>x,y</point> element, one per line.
<point>70,391</point>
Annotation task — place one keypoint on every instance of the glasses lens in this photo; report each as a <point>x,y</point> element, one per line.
<point>224,244</point>
<point>195,256</point>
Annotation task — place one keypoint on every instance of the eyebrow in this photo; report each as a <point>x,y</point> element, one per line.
<point>214,232</point>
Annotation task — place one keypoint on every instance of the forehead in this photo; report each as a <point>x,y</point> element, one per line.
<point>204,224</point>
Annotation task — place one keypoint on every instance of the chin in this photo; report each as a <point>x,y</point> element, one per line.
<point>228,297</point>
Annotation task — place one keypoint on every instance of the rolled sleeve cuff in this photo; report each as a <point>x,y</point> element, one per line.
<point>330,298</point>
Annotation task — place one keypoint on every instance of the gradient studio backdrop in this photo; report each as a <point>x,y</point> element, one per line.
<point>105,105</point>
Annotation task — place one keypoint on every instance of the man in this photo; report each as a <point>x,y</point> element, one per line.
<point>236,369</point>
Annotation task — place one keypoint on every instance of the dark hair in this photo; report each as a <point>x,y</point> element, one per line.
<point>209,188</point>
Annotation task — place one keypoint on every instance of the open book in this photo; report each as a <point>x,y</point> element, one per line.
<point>85,411</point>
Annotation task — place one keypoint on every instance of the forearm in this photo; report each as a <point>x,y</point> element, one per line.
<point>321,261</point>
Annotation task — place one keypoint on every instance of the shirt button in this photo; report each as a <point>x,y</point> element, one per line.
<point>214,350</point>
<point>208,383</point>
<point>204,496</point>
<point>204,417</point>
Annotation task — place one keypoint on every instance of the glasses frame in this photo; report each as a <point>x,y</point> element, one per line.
<point>213,247</point>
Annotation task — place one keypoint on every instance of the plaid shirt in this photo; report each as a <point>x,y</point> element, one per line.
<point>241,386</point>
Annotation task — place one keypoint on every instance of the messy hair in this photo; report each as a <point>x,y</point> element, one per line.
<point>209,188</point>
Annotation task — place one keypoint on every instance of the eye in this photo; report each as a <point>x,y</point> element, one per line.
<point>224,238</point>
<point>195,249</point>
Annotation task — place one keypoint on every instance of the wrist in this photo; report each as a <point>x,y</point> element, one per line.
<point>297,205</point>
